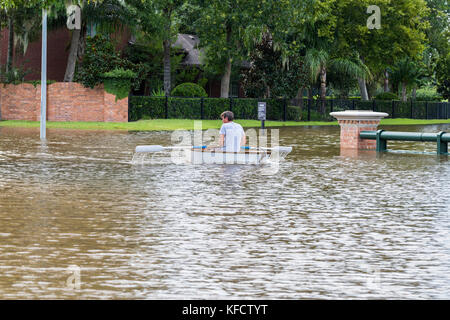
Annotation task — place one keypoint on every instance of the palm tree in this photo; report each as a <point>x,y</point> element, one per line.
<point>319,61</point>
<point>406,73</point>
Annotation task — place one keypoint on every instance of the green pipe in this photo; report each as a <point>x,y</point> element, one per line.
<point>405,136</point>
<point>442,138</point>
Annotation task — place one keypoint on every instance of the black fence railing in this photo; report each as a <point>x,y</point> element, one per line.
<point>146,107</point>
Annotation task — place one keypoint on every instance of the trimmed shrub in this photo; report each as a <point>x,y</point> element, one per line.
<point>189,89</point>
<point>386,96</point>
<point>118,82</point>
<point>428,94</point>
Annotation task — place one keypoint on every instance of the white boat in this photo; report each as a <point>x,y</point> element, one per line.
<point>204,155</point>
<point>249,156</point>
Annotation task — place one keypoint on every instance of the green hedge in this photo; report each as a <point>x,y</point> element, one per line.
<point>386,96</point>
<point>146,107</point>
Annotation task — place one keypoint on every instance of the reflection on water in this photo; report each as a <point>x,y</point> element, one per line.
<point>328,225</point>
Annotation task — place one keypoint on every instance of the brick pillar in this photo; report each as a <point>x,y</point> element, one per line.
<point>352,123</point>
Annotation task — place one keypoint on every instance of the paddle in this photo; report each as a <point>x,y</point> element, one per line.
<point>279,149</point>
<point>142,149</point>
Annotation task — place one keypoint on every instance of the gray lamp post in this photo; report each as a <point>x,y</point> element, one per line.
<point>44,76</point>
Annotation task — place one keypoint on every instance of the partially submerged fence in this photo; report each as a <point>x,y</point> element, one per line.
<point>145,107</point>
<point>320,110</point>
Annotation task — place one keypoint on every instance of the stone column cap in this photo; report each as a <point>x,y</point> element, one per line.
<point>359,115</point>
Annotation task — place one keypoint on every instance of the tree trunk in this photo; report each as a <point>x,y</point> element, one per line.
<point>9,57</point>
<point>225,81</point>
<point>404,99</point>
<point>386,81</point>
<point>167,71</point>
<point>414,93</point>
<point>310,93</point>
<point>267,91</point>
<point>299,97</point>
<point>323,88</point>
<point>363,89</point>
<point>73,56</point>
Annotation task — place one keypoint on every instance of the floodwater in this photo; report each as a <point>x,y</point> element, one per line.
<point>78,220</point>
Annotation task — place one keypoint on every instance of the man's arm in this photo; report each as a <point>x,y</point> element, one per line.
<point>243,140</point>
<point>221,140</point>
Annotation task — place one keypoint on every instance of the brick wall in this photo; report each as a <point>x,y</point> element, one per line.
<point>350,130</point>
<point>65,102</point>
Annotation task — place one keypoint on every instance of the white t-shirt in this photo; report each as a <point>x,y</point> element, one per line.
<point>233,136</point>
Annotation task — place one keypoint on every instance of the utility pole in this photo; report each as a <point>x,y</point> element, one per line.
<point>44,76</point>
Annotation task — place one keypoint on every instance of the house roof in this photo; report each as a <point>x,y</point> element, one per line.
<point>189,44</point>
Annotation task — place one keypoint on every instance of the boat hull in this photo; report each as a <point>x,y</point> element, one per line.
<point>219,157</point>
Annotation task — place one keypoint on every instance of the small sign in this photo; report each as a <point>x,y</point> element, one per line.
<point>262,111</point>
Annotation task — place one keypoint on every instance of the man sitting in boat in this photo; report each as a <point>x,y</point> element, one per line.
<point>232,135</point>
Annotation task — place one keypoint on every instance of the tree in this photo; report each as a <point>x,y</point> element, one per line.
<point>406,73</point>
<point>107,15</point>
<point>21,23</point>
<point>26,13</point>
<point>267,77</point>
<point>443,76</point>
<point>158,19</point>
<point>320,61</point>
<point>227,29</point>
<point>402,32</point>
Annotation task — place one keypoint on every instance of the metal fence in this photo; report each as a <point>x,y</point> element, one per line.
<point>145,107</point>
<point>314,110</point>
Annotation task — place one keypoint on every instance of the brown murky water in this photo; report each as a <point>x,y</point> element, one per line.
<point>79,221</point>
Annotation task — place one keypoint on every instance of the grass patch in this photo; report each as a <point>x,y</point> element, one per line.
<point>180,124</point>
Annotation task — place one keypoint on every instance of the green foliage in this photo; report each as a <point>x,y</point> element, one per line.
<point>386,96</point>
<point>405,71</point>
<point>101,57</point>
<point>158,93</point>
<point>294,113</point>
<point>36,83</point>
<point>120,73</point>
<point>149,53</point>
<point>189,90</point>
<point>157,20</point>
<point>428,94</point>
<point>268,77</point>
<point>443,76</point>
<point>14,76</point>
<point>118,82</point>
<point>402,33</point>
<point>145,107</point>
<point>314,115</point>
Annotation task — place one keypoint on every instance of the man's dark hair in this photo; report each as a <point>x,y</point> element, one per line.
<point>228,114</point>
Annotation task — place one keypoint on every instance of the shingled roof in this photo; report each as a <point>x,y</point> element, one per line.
<point>189,44</point>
